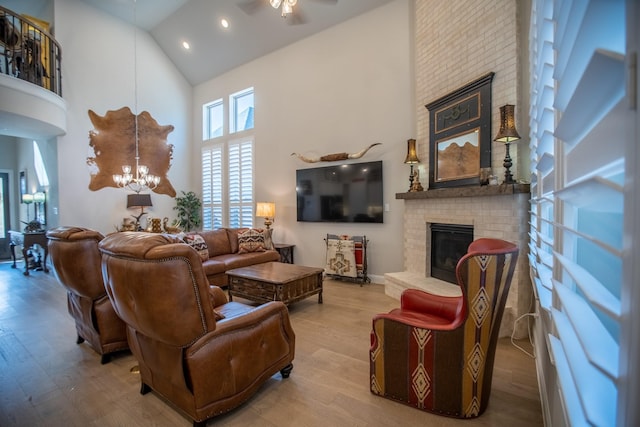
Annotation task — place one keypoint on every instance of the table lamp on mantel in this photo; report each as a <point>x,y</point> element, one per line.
<point>412,159</point>
<point>507,134</point>
<point>266,210</point>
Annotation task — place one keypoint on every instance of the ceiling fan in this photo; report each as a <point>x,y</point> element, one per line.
<point>286,8</point>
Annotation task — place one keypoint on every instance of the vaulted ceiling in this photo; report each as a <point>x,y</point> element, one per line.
<point>255,28</point>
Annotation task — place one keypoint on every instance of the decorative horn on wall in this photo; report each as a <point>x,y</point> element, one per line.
<point>336,156</point>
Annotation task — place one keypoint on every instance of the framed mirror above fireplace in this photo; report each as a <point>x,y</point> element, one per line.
<point>460,135</point>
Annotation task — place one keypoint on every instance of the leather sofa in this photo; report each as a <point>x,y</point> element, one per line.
<point>223,251</point>
<point>76,261</point>
<point>196,350</point>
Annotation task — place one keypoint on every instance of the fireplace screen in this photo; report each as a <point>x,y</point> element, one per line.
<point>449,243</point>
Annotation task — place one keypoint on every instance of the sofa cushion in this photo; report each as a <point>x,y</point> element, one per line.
<point>251,240</point>
<point>244,260</point>
<point>217,241</point>
<point>233,238</point>
<point>214,266</point>
<point>197,242</point>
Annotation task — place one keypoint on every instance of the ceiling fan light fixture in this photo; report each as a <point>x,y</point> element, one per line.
<point>275,3</point>
<point>286,8</point>
<point>291,2</point>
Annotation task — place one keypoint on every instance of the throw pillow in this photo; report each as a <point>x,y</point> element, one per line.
<point>251,240</point>
<point>197,242</point>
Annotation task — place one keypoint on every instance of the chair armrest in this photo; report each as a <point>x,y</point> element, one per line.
<point>218,297</point>
<point>256,318</point>
<point>240,353</point>
<point>450,308</point>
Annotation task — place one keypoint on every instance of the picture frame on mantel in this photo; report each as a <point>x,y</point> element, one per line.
<point>460,135</point>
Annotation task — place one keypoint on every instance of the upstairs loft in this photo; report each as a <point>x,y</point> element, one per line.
<point>30,80</point>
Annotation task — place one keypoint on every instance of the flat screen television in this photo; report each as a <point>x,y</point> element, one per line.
<point>341,193</point>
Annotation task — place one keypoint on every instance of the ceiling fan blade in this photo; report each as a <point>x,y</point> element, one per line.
<point>251,6</point>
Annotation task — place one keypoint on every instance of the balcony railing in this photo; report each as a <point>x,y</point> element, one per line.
<point>28,52</point>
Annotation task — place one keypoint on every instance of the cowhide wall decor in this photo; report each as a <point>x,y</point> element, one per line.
<point>114,145</point>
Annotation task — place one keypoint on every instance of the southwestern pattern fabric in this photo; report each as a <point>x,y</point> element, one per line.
<point>417,360</point>
<point>341,258</point>
<point>251,240</point>
<point>358,251</point>
<point>197,242</point>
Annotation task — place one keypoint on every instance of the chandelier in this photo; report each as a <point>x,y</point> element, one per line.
<point>136,179</point>
<point>142,179</point>
<point>287,6</point>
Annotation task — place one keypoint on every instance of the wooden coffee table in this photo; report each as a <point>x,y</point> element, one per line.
<point>275,281</point>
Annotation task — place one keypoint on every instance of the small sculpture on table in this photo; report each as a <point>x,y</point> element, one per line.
<point>32,226</point>
<point>415,183</point>
<point>128,224</point>
<point>171,229</point>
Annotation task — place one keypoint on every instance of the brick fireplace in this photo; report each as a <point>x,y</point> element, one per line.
<point>493,211</point>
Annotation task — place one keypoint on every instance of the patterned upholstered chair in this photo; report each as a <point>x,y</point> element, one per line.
<point>77,265</point>
<point>436,353</point>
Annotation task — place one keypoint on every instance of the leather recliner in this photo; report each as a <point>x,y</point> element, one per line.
<point>196,350</point>
<point>77,264</point>
<point>436,353</point>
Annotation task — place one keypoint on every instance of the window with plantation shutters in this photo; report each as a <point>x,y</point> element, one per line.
<point>227,164</point>
<point>212,191</point>
<point>227,184</point>
<point>241,184</point>
<point>583,138</point>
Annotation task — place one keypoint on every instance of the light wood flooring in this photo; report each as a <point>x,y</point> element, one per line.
<point>46,379</point>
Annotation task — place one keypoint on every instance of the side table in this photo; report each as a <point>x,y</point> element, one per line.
<point>28,240</point>
<point>286,252</point>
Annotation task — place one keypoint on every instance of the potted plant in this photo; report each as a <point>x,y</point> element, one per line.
<point>188,206</point>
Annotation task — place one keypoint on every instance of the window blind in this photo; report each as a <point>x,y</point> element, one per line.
<point>542,151</point>
<point>227,184</point>
<point>212,190</point>
<point>241,183</point>
<point>579,142</point>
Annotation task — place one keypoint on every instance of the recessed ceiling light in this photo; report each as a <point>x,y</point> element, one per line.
<point>224,23</point>
<point>186,45</point>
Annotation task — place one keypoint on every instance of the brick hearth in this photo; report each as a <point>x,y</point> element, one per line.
<point>493,211</point>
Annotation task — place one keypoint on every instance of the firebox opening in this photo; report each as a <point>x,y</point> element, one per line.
<point>449,243</point>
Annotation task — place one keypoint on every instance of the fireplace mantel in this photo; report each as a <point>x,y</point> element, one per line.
<point>476,191</point>
<point>491,214</point>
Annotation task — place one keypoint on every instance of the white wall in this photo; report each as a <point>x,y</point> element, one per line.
<point>98,74</point>
<point>337,91</point>
<point>8,164</point>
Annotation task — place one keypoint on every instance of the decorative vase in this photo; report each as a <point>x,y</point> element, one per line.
<point>156,225</point>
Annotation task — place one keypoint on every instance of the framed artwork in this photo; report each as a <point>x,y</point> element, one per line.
<point>458,157</point>
<point>23,184</point>
<point>460,135</point>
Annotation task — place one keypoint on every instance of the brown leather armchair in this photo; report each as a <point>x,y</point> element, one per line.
<point>436,353</point>
<point>196,350</point>
<point>77,263</point>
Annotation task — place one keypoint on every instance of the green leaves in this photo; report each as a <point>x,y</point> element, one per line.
<point>189,210</point>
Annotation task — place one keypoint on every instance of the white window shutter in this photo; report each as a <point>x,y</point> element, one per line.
<point>580,201</point>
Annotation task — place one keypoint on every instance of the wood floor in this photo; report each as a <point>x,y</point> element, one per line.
<point>46,379</point>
